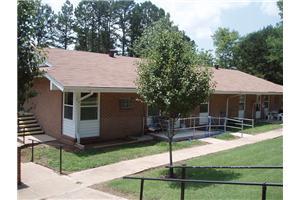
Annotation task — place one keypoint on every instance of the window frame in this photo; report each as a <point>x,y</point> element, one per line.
<point>242,100</point>
<point>128,107</point>
<point>68,105</point>
<point>89,106</point>
<point>266,100</point>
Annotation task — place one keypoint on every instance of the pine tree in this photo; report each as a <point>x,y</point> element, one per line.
<point>65,25</point>
<point>122,11</point>
<point>142,16</point>
<point>45,22</point>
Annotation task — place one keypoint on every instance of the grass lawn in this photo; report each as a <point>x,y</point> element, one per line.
<point>225,136</point>
<point>79,160</point>
<point>264,153</point>
<point>261,127</point>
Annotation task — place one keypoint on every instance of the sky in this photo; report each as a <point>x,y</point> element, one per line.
<point>201,18</point>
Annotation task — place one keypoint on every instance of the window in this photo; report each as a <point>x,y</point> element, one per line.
<point>126,104</point>
<point>89,107</point>
<point>258,100</point>
<point>242,102</point>
<point>68,105</point>
<point>204,108</point>
<point>266,101</point>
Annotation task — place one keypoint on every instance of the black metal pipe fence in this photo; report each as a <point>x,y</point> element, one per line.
<point>183,179</point>
<point>60,145</point>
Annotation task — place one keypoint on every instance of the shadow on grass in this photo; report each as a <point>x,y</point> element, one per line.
<point>203,174</point>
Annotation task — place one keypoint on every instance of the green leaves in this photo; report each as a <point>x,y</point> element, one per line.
<point>225,42</point>
<point>29,56</point>
<point>169,77</point>
<point>65,26</point>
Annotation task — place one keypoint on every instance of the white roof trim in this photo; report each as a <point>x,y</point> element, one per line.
<point>99,89</point>
<point>243,92</point>
<point>54,82</point>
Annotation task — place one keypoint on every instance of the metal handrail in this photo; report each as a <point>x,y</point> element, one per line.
<point>226,167</point>
<point>60,145</point>
<point>183,181</point>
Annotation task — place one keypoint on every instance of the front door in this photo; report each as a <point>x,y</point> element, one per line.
<point>204,111</point>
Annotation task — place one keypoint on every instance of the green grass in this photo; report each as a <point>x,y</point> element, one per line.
<point>261,127</point>
<point>264,153</point>
<point>79,160</point>
<point>225,136</point>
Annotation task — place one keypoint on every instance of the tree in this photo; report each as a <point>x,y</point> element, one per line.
<point>65,25</point>
<point>122,13</point>
<point>206,58</point>
<point>142,16</point>
<point>169,77</point>
<point>225,42</point>
<point>260,53</point>
<point>83,14</point>
<point>29,56</point>
<point>45,21</point>
<point>280,6</point>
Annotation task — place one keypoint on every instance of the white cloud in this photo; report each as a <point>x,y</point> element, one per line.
<point>269,8</point>
<point>198,18</point>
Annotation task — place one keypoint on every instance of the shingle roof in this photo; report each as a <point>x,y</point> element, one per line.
<point>94,70</point>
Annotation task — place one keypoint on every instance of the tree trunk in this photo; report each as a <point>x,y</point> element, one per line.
<point>171,171</point>
<point>170,137</point>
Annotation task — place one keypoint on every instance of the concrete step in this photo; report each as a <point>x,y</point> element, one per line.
<point>28,122</point>
<point>26,118</point>
<point>32,133</point>
<point>36,128</point>
<point>25,114</point>
<point>29,125</point>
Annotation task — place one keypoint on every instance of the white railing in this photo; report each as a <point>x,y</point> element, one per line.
<point>196,123</point>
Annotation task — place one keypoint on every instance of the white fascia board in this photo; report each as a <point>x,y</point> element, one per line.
<point>54,82</point>
<point>249,93</point>
<point>100,89</point>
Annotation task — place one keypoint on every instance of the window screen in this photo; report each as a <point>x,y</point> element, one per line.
<point>89,107</point>
<point>126,104</point>
<point>68,105</point>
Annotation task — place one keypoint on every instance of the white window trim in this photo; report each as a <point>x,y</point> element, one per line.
<point>268,100</point>
<point>89,106</point>
<point>207,107</point>
<point>244,102</point>
<point>68,105</point>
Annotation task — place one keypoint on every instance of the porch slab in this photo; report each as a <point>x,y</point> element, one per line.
<point>39,138</point>
<point>238,134</point>
<point>212,140</point>
<point>185,135</point>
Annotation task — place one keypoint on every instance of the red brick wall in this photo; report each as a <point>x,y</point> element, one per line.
<point>250,106</point>
<point>47,107</point>
<point>117,123</point>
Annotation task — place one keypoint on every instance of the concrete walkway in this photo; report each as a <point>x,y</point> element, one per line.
<point>124,168</point>
<point>44,183</point>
